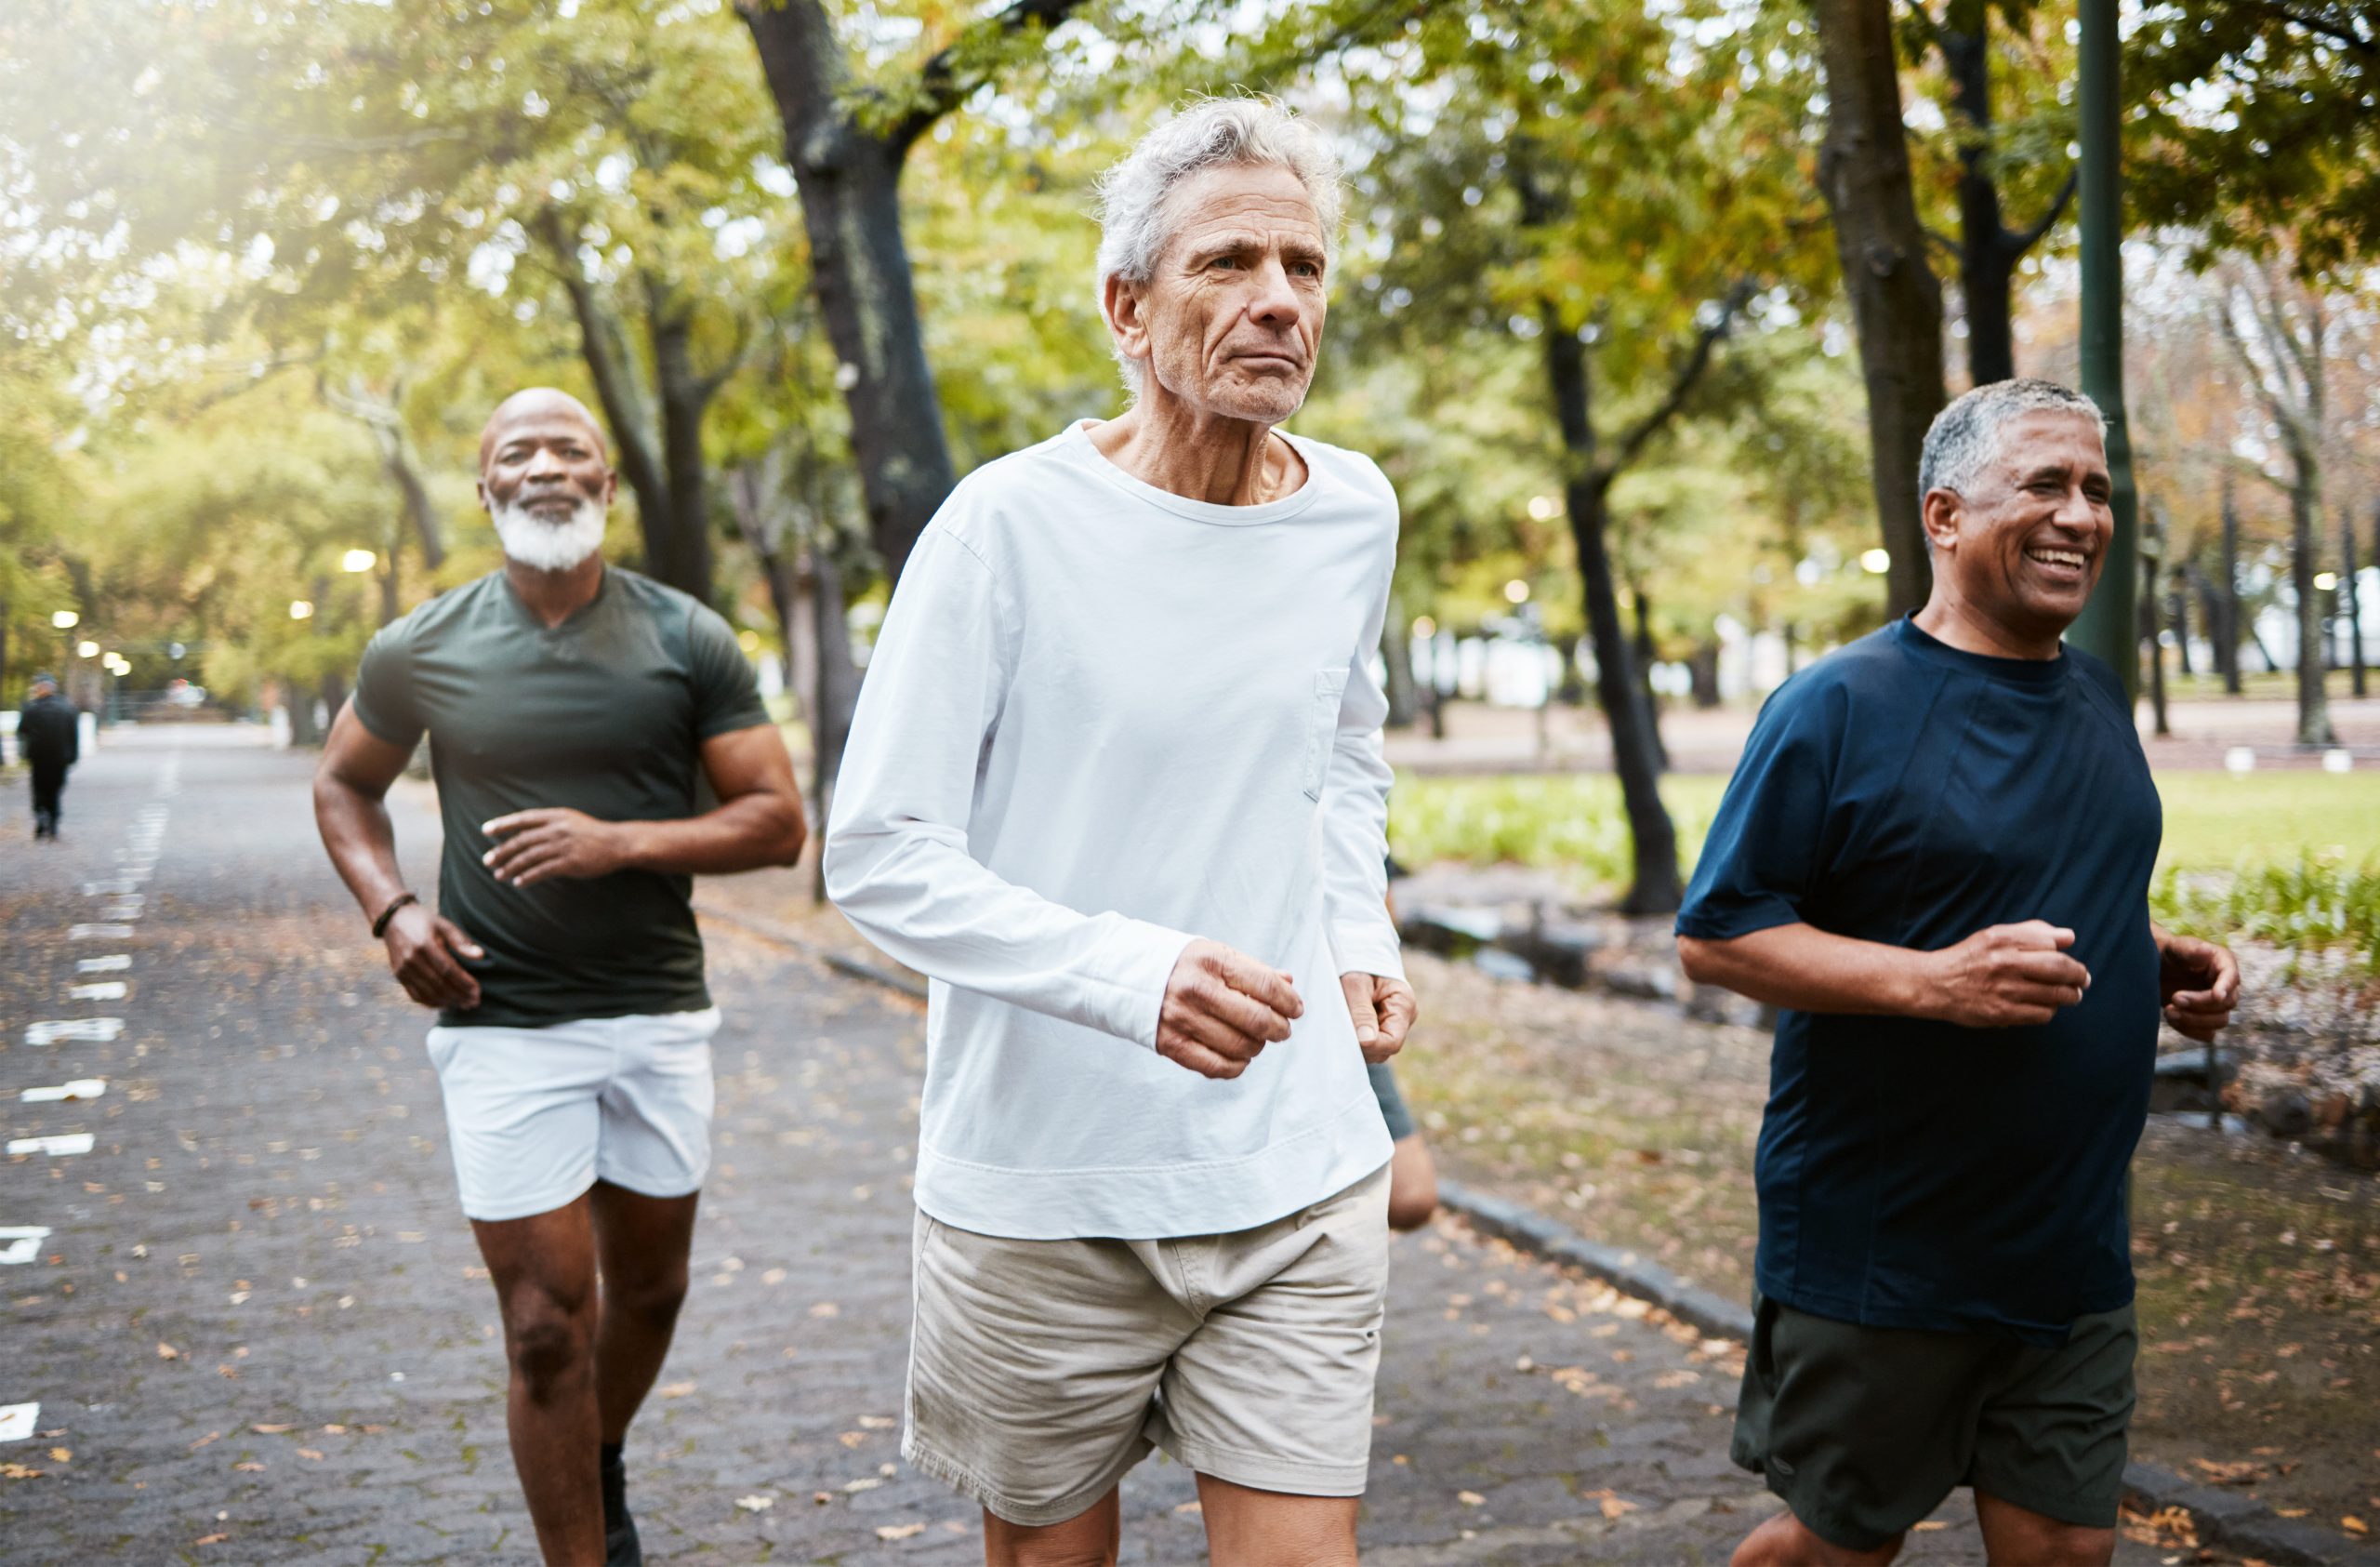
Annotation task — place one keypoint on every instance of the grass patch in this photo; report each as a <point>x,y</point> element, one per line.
<point>2290,858</point>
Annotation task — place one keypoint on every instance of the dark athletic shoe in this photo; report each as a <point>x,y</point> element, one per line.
<point>621,1547</point>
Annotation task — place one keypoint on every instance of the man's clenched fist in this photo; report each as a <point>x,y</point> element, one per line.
<point>1221,1009</point>
<point>1383,1010</point>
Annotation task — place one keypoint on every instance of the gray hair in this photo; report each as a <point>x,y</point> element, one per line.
<point>1250,131</point>
<point>1965,438</point>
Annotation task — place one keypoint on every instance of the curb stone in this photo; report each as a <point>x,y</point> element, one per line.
<point>2221,1516</point>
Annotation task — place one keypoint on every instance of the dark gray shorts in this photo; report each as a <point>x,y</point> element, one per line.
<point>1391,1103</point>
<point>1864,1430</point>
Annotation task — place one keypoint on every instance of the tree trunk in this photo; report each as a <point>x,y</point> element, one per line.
<point>1646,655</point>
<point>850,205</point>
<point>2350,597</point>
<point>1396,656</point>
<point>678,550</point>
<point>838,692</point>
<point>1634,754</point>
<point>1986,265</point>
<point>2304,544</point>
<point>2227,652</point>
<point>1896,303</point>
<point>2178,609</point>
<point>2151,629</point>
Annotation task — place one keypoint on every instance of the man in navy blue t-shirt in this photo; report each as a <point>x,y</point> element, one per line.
<point>1933,858</point>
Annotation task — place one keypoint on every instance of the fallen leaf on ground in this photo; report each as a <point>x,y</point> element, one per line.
<point>898,1530</point>
<point>166,1352</point>
<point>210,1539</point>
<point>2354,1525</point>
<point>1190,1508</point>
<point>211,1436</point>
<point>675,1390</point>
<point>20,1471</point>
<point>1615,1507</point>
<point>248,1469</point>
<point>309,1452</point>
<point>756,1503</point>
<point>1471,1498</point>
<point>270,1430</point>
<point>1928,1527</point>
<point>60,1455</point>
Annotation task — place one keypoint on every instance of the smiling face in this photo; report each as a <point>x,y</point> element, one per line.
<point>1231,319</point>
<point>2025,545</point>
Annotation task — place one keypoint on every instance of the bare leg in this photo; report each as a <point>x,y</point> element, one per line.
<point>1249,1528</point>
<point>2014,1537</point>
<point>544,1271</point>
<point>1087,1539</point>
<point>1412,1184</point>
<point>1785,1540</point>
<point>642,1243</point>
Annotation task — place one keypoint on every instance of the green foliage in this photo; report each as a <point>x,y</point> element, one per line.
<point>2318,900</point>
<point>2236,859</point>
<point>2259,122</point>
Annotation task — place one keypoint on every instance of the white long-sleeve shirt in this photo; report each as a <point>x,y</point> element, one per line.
<point>1102,719</point>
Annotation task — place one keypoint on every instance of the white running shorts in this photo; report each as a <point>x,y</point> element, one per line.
<point>537,1116</point>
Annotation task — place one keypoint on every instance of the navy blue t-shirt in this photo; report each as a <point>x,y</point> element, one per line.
<point>1922,1175</point>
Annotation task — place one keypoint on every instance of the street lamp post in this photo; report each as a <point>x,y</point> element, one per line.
<point>2109,624</point>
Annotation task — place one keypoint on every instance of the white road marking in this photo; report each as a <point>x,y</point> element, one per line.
<point>121,912</point>
<point>100,1029</point>
<point>21,1242</point>
<point>16,1420</point>
<point>80,1088</point>
<point>116,963</point>
<point>60,1144</point>
<point>119,886</point>
<point>98,990</point>
<point>97,933</point>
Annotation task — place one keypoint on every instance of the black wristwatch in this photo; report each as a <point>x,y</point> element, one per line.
<point>380,925</point>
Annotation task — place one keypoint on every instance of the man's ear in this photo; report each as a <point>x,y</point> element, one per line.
<point>480,487</point>
<point>1939,515</point>
<point>1120,302</point>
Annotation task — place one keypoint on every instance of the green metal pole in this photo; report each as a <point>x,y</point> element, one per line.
<point>2109,624</point>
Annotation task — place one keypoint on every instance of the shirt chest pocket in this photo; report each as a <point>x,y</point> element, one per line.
<point>1330,689</point>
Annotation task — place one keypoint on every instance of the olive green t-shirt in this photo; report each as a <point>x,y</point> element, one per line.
<point>604,714</point>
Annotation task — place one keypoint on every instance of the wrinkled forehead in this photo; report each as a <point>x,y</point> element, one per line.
<point>1261,200</point>
<point>2051,437</point>
<point>539,421</point>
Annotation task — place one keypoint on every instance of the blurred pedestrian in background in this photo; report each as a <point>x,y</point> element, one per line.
<point>50,737</point>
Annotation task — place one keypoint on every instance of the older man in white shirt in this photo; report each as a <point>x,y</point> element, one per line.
<point>1116,785</point>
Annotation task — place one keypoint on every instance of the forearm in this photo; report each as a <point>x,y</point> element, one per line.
<point>746,833</point>
<point>1804,969</point>
<point>361,840</point>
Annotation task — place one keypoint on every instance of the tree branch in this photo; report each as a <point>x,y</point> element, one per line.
<point>604,347</point>
<point>1682,384</point>
<point>2337,32</point>
<point>949,78</point>
<point>2023,240</point>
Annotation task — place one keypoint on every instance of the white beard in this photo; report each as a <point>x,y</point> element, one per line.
<point>543,546</point>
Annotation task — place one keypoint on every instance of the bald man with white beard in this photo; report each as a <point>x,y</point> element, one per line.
<point>568,704</point>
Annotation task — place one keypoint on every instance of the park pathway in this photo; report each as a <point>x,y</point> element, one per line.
<point>256,1331</point>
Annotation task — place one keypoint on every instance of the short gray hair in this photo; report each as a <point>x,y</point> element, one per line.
<point>1964,437</point>
<point>1251,132</point>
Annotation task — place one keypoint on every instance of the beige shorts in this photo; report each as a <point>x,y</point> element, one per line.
<point>1039,1371</point>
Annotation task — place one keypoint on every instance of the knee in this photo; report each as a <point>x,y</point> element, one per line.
<point>549,1342</point>
<point>1786,1541</point>
<point>1030,1555</point>
<point>652,1303</point>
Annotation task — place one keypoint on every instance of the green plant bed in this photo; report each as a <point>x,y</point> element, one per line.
<point>2293,858</point>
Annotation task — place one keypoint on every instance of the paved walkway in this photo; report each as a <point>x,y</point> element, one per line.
<point>257,1331</point>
